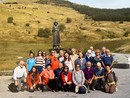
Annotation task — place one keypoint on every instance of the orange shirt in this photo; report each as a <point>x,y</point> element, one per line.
<point>55,64</point>
<point>51,57</point>
<point>46,75</point>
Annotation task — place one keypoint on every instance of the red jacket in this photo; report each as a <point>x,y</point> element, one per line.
<point>69,77</point>
<point>29,80</point>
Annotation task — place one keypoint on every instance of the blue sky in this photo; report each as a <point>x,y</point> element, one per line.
<point>113,4</point>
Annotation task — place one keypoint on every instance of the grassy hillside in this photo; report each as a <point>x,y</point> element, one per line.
<point>17,38</point>
<point>95,13</point>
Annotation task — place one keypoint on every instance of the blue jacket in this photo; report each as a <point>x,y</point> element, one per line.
<point>83,65</point>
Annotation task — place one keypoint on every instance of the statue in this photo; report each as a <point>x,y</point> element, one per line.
<point>56,36</point>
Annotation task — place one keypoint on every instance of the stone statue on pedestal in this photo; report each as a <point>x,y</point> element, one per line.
<point>56,36</point>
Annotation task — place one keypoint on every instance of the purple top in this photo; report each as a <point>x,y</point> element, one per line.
<point>88,74</point>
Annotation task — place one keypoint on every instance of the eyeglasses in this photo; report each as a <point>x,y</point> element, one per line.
<point>66,68</point>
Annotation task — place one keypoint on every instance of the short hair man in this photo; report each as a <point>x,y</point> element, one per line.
<point>20,75</point>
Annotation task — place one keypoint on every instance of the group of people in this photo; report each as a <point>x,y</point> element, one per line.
<point>67,71</point>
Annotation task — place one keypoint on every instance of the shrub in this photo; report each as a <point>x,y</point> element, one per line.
<point>111,35</point>
<point>44,32</point>
<point>27,24</point>
<point>62,27</point>
<point>68,20</point>
<point>14,23</point>
<point>10,19</point>
<point>126,34</point>
<point>83,28</point>
<point>121,22</point>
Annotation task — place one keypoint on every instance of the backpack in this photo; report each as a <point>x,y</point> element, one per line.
<point>13,88</point>
<point>82,90</point>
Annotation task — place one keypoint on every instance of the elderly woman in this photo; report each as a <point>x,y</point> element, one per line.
<point>78,78</point>
<point>48,78</point>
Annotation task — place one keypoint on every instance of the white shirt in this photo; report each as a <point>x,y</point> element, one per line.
<point>69,64</point>
<point>19,72</point>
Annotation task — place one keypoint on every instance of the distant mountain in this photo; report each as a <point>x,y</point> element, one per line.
<point>95,13</point>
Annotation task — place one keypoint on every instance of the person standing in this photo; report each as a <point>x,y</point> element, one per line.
<point>20,75</point>
<point>81,60</point>
<point>89,57</point>
<point>30,61</point>
<point>55,62</point>
<point>92,51</point>
<point>73,57</point>
<point>68,62</point>
<point>61,57</point>
<point>97,59</point>
<point>39,62</point>
<point>108,59</point>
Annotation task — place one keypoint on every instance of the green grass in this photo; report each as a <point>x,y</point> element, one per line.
<point>10,51</point>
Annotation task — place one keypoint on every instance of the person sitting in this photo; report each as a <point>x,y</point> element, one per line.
<point>20,75</point>
<point>30,61</point>
<point>99,76</point>
<point>108,59</point>
<point>110,81</point>
<point>78,78</point>
<point>81,60</point>
<point>55,62</point>
<point>66,77</point>
<point>89,76</point>
<point>33,79</point>
<point>57,73</point>
<point>47,78</point>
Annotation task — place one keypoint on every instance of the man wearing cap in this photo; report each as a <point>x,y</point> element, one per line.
<point>55,62</point>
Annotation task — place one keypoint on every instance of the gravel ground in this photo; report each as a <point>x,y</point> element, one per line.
<point>123,89</point>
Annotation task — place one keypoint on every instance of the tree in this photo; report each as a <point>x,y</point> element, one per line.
<point>44,32</point>
<point>10,19</point>
<point>62,27</point>
<point>68,20</point>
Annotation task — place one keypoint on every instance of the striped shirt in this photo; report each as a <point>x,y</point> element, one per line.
<point>40,61</point>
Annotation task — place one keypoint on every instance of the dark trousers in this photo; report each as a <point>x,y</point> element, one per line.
<point>99,84</point>
<point>52,84</point>
<point>68,88</point>
<point>90,86</point>
<point>39,69</point>
<point>58,85</point>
